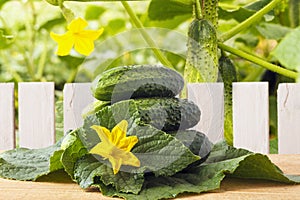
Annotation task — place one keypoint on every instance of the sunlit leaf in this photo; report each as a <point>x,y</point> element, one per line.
<point>71,61</point>
<point>48,25</point>
<point>287,51</point>
<point>272,31</point>
<point>244,12</point>
<point>169,9</point>
<point>94,12</point>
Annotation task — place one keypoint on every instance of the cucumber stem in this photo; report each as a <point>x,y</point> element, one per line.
<point>198,10</point>
<point>248,22</point>
<point>138,24</point>
<point>259,61</point>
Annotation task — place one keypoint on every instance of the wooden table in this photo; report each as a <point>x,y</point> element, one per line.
<point>232,189</point>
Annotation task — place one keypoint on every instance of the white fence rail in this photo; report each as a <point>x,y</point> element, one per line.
<point>250,113</point>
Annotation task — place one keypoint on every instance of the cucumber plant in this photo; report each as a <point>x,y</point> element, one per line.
<point>202,61</point>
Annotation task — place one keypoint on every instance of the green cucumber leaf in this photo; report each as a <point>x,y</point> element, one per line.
<point>224,160</point>
<point>273,31</point>
<point>287,51</point>
<point>30,164</point>
<point>89,170</point>
<point>94,12</point>
<point>169,9</point>
<point>158,152</point>
<point>244,12</point>
<point>73,150</point>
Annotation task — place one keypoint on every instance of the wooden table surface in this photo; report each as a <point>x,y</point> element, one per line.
<point>232,189</point>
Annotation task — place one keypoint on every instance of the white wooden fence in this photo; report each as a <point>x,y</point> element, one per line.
<point>250,113</point>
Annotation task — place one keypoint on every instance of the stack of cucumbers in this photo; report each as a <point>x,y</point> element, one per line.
<point>153,88</point>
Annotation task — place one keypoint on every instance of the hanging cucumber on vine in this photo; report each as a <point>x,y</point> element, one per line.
<point>202,53</point>
<point>202,63</point>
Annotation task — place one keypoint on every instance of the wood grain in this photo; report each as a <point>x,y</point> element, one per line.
<point>233,189</point>
<point>288,118</point>
<point>76,97</point>
<point>7,116</point>
<point>36,114</point>
<point>251,116</point>
<point>210,100</point>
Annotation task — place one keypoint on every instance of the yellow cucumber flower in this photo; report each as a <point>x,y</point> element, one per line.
<point>115,146</point>
<point>82,40</point>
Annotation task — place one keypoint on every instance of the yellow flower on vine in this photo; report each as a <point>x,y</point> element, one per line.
<point>82,40</point>
<point>115,146</point>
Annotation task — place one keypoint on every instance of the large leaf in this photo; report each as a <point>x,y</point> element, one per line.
<point>272,31</point>
<point>89,171</point>
<point>244,12</point>
<point>30,164</point>
<point>223,160</point>
<point>169,9</point>
<point>158,152</point>
<point>73,150</point>
<point>287,51</point>
<point>94,12</point>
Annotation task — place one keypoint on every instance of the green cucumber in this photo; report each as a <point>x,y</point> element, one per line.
<point>137,81</point>
<point>168,114</point>
<point>202,54</point>
<point>228,74</point>
<point>210,11</point>
<point>94,107</point>
<point>197,142</point>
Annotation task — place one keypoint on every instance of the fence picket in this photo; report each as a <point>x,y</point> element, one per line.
<point>250,113</point>
<point>210,100</point>
<point>7,116</point>
<point>36,114</point>
<point>76,97</point>
<point>251,116</point>
<point>288,118</point>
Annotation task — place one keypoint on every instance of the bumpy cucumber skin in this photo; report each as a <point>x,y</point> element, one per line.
<point>228,74</point>
<point>137,81</point>
<point>168,114</point>
<point>211,11</point>
<point>202,55</point>
<point>196,141</point>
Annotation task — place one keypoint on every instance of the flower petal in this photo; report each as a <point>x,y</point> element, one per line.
<point>116,164</point>
<point>65,43</point>
<point>131,160</point>
<point>128,143</point>
<point>91,34</point>
<point>119,132</point>
<point>77,25</point>
<point>84,46</point>
<point>103,133</point>
<point>100,149</point>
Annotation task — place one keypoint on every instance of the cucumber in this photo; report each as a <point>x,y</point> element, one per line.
<point>94,107</point>
<point>197,142</point>
<point>210,11</point>
<point>137,81</point>
<point>202,54</point>
<point>168,114</point>
<point>228,74</point>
